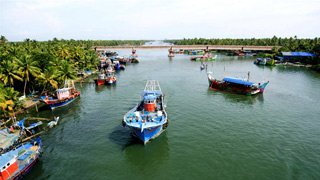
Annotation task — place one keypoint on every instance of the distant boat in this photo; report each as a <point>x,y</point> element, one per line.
<point>206,58</point>
<point>101,79</point>
<point>264,61</point>
<point>202,67</point>
<point>18,162</point>
<point>149,118</point>
<point>236,85</point>
<point>64,96</point>
<point>111,77</point>
<point>201,52</point>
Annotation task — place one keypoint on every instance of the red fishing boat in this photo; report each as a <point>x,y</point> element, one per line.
<point>101,79</point>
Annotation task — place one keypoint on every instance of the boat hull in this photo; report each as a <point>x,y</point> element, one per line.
<point>100,81</point>
<point>148,134</point>
<point>53,104</point>
<point>244,90</point>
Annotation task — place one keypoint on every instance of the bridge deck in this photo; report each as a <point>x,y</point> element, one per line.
<point>187,47</point>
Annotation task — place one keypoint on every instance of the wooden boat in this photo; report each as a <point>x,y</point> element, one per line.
<point>196,52</point>
<point>65,95</point>
<point>111,78</point>
<point>178,51</point>
<point>236,85</point>
<point>10,137</point>
<point>53,123</point>
<point>202,67</point>
<point>16,163</point>
<point>193,58</point>
<point>264,61</point>
<point>149,118</point>
<point>101,79</point>
<point>133,59</point>
<point>206,58</point>
<point>117,65</point>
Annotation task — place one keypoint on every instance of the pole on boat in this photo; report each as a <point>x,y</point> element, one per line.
<point>248,75</point>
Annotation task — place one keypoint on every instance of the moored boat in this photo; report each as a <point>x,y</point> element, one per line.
<point>101,79</point>
<point>111,78</point>
<point>149,118</point>
<point>206,58</point>
<point>201,52</point>
<point>236,85</point>
<point>10,137</point>
<point>64,96</point>
<point>264,61</point>
<point>16,163</point>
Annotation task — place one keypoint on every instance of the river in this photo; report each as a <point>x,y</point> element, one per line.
<point>211,134</point>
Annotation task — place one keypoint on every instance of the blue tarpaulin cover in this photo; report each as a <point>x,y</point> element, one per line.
<point>304,54</point>
<point>237,81</point>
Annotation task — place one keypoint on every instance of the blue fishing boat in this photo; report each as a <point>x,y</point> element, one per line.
<point>16,163</point>
<point>65,95</point>
<point>149,118</point>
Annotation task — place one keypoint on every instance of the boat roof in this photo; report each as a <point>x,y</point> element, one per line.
<point>6,157</point>
<point>290,54</point>
<point>238,81</point>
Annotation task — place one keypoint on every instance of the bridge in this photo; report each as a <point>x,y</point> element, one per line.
<point>188,47</point>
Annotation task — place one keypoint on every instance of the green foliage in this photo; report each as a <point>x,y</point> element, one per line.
<point>292,44</point>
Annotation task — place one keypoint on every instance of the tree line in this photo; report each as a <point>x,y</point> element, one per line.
<point>31,66</point>
<point>292,44</point>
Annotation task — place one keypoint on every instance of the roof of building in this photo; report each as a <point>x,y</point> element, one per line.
<point>303,54</point>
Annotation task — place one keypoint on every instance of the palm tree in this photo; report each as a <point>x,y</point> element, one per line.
<point>48,77</point>
<point>3,40</point>
<point>9,72</point>
<point>66,71</point>
<point>27,67</point>
<point>8,97</point>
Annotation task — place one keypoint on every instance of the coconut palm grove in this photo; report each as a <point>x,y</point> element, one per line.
<point>33,66</point>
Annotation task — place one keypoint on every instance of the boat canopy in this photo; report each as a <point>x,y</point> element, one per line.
<point>237,81</point>
<point>150,97</point>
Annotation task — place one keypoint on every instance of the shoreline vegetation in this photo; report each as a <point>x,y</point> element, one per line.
<point>39,67</point>
<point>292,44</point>
<point>33,67</point>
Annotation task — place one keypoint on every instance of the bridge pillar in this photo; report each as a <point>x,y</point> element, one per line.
<point>170,52</point>
<point>206,51</point>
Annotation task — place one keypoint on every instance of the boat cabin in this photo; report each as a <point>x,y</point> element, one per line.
<point>8,164</point>
<point>110,74</point>
<point>149,99</point>
<point>149,102</point>
<point>102,76</point>
<point>63,93</point>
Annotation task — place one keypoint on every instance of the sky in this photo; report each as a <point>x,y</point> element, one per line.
<point>44,20</point>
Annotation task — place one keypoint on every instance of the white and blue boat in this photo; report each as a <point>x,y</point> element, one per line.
<point>149,118</point>
<point>16,163</point>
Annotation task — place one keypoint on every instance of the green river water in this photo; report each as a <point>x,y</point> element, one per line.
<point>211,134</point>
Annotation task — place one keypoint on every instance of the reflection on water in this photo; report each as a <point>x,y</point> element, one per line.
<point>151,156</point>
<point>236,98</point>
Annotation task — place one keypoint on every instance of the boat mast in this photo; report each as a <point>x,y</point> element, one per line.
<point>152,85</point>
